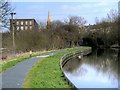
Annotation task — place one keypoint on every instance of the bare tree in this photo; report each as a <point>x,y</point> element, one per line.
<point>5,10</point>
<point>77,20</point>
<point>112,15</point>
<point>74,25</point>
<point>97,20</point>
<point>56,24</point>
<point>42,25</point>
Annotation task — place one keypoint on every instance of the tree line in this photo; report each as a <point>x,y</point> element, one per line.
<point>59,35</point>
<point>71,32</point>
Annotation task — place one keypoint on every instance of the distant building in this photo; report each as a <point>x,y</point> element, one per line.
<point>23,24</point>
<point>48,21</point>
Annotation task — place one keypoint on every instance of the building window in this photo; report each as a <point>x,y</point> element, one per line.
<point>30,27</point>
<point>26,27</point>
<point>21,22</point>
<point>18,28</point>
<point>30,22</point>
<point>21,27</point>
<point>26,22</point>
<point>17,22</point>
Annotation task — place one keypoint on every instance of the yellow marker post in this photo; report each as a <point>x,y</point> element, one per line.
<point>30,53</point>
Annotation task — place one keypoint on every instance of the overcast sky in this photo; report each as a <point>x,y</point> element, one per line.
<point>61,9</point>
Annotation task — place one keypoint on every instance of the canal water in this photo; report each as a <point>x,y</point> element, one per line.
<point>96,70</point>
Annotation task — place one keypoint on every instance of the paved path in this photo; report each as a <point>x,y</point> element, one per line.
<point>14,77</point>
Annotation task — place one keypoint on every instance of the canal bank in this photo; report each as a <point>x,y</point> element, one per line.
<point>67,57</point>
<point>96,70</point>
<point>47,73</point>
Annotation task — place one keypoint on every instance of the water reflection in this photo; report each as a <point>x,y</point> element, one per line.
<point>97,70</point>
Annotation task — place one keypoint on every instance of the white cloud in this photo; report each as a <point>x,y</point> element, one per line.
<point>89,10</point>
<point>95,7</point>
<point>87,5</point>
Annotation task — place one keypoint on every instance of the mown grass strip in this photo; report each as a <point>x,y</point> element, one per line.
<point>46,73</point>
<point>10,63</point>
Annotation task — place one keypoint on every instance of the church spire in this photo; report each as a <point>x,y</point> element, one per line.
<point>48,20</point>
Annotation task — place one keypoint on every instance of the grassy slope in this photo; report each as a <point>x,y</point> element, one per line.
<point>46,73</point>
<point>10,63</point>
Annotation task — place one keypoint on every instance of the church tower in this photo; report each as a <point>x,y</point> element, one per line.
<point>48,21</point>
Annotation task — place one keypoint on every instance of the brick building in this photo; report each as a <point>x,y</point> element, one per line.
<point>23,24</point>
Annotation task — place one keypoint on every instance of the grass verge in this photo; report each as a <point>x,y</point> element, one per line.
<point>46,73</point>
<point>5,65</point>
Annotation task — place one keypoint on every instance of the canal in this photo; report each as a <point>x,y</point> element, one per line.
<point>99,69</point>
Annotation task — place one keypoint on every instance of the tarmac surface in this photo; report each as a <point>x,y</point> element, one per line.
<point>15,76</point>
